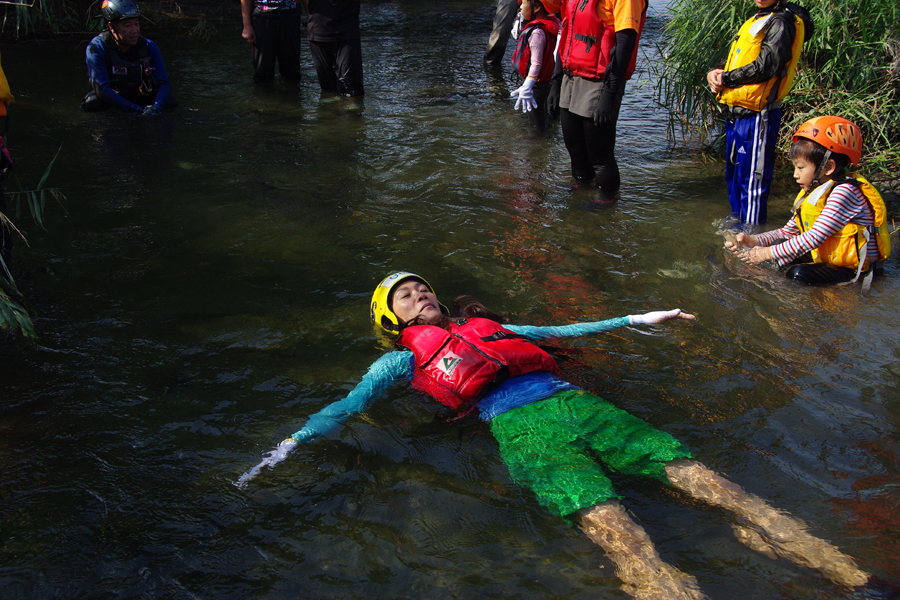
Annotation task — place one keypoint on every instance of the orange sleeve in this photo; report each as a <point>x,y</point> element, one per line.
<point>627,13</point>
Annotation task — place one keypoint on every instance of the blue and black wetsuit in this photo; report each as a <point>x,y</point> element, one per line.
<point>130,80</point>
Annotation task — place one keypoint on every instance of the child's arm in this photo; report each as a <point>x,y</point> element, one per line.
<point>537,42</point>
<point>743,249</point>
<point>582,329</point>
<point>844,204</point>
<point>524,95</point>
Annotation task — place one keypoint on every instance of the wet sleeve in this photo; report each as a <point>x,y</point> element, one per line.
<point>95,57</point>
<point>845,204</point>
<point>625,47</point>
<point>564,331</point>
<point>388,369</point>
<point>774,53</point>
<point>160,74</point>
<point>770,238</point>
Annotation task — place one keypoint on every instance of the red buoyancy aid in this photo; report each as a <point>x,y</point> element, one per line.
<point>587,43</point>
<point>457,367</point>
<point>521,59</point>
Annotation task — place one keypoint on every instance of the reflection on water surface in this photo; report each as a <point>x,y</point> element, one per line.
<point>206,288</point>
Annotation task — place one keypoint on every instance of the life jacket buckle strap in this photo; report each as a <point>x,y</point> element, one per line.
<point>590,40</point>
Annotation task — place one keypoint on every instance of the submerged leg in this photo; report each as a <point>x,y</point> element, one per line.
<point>645,575</point>
<point>772,532</point>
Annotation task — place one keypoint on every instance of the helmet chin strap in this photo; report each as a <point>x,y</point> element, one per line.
<point>819,171</point>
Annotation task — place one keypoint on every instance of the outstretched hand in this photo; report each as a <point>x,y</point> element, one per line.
<point>659,316</point>
<point>272,458</point>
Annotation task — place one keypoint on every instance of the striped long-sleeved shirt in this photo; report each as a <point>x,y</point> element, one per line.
<point>846,204</point>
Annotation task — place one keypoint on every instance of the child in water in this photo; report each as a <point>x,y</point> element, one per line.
<point>839,227</point>
<point>535,58</point>
<point>551,434</point>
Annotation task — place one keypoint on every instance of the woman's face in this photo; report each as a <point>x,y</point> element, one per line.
<point>413,299</point>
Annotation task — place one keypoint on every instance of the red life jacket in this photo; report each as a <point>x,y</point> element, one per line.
<point>587,43</point>
<point>521,59</point>
<point>458,367</point>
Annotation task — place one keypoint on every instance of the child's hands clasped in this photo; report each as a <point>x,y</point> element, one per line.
<point>747,249</point>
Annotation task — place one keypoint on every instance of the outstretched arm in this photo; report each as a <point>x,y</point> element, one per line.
<point>583,329</point>
<point>383,372</point>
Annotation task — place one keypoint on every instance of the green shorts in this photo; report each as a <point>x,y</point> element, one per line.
<point>552,446</point>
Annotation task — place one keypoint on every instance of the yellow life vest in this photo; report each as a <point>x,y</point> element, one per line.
<point>744,50</point>
<point>845,247</point>
<point>5,96</point>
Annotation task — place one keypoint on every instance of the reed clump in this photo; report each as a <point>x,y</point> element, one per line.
<point>850,67</point>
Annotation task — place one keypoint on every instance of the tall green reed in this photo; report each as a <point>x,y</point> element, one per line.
<point>850,67</point>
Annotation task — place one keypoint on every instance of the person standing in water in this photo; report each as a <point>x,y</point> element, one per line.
<point>551,433</point>
<point>335,44</point>
<point>535,59</point>
<point>125,69</point>
<point>598,51</point>
<point>273,27</point>
<point>750,86</point>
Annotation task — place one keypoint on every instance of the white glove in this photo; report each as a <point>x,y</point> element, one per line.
<point>272,458</point>
<point>658,316</point>
<point>517,25</point>
<point>524,95</point>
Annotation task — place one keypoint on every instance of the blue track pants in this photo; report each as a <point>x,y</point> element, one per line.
<point>749,164</point>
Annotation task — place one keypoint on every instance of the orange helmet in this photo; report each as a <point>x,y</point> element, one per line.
<point>835,133</point>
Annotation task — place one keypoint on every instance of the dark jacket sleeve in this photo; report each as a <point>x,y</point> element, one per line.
<point>626,40</point>
<point>160,74</point>
<point>774,53</point>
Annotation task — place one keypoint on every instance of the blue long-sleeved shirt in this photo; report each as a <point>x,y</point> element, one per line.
<point>401,365</point>
<point>98,72</point>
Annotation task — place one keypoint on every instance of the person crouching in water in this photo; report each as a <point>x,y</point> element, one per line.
<point>125,69</point>
<point>839,227</point>
<point>535,58</point>
<point>556,439</point>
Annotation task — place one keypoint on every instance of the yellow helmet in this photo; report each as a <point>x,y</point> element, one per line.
<point>380,307</point>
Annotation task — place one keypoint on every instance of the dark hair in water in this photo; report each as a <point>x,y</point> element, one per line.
<point>464,307</point>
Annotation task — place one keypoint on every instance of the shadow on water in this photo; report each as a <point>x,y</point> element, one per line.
<point>206,289</point>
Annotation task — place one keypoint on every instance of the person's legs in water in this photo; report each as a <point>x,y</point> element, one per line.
<point>348,68</point>
<point>289,48</point>
<point>323,55</point>
<point>645,574</point>
<point>820,274</point>
<point>601,147</point>
<point>542,445</point>
<point>503,22</point>
<point>265,49</point>
<point>537,117</point>
<point>768,530</point>
<point>573,136</point>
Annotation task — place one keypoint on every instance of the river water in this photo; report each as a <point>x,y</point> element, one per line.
<point>204,287</point>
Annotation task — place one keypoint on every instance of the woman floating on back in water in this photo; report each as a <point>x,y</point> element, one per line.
<point>550,433</point>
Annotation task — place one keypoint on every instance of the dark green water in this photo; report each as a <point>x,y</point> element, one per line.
<point>206,288</point>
